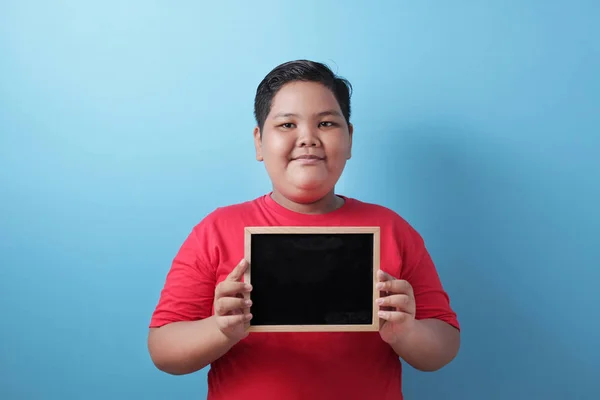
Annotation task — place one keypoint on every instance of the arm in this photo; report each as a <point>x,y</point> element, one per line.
<point>428,345</point>
<point>424,330</point>
<point>185,347</point>
<point>418,321</point>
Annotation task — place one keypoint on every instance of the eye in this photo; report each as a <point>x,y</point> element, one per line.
<point>287,125</point>
<point>327,124</point>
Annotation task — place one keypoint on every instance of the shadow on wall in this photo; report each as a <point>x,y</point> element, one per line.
<point>497,255</point>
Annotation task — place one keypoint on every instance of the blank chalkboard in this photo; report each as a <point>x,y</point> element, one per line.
<point>313,278</point>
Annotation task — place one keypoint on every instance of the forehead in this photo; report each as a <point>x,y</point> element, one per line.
<point>303,98</point>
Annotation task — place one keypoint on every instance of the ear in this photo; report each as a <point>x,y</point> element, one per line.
<point>350,131</point>
<point>258,144</point>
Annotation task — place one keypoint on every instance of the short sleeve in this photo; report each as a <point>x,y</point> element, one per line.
<point>188,291</point>
<point>419,270</point>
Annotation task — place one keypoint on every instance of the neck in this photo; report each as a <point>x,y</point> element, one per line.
<point>328,203</point>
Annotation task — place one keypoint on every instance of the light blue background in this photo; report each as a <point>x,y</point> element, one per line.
<point>478,121</point>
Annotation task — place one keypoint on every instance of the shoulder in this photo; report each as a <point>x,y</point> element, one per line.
<point>380,212</point>
<point>391,222</point>
<point>223,215</point>
<point>236,209</point>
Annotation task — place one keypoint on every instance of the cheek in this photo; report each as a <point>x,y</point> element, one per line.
<point>276,148</point>
<point>338,149</point>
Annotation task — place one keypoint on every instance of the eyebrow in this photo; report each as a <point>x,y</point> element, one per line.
<point>321,114</point>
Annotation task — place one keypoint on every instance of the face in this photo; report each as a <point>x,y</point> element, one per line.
<point>305,142</point>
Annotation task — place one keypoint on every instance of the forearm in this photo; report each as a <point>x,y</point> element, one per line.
<point>429,345</point>
<point>185,347</point>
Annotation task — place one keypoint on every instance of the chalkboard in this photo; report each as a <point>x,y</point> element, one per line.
<point>312,278</point>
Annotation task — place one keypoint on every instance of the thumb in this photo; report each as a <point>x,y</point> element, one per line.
<point>238,271</point>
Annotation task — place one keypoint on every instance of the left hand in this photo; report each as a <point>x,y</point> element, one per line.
<point>397,307</point>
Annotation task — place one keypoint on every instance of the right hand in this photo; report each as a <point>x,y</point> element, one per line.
<point>232,313</point>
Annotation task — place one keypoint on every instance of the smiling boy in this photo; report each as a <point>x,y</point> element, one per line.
<point>304,138</point>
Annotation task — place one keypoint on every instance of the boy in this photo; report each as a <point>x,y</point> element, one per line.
<point>304,137</point>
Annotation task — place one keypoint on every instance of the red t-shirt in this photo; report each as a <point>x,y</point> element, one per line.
<point>290,366</point>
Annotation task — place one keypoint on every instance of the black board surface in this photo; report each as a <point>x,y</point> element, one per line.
<point>318,279</point>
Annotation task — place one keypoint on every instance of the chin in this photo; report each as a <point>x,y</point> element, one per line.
<point>306,194</point>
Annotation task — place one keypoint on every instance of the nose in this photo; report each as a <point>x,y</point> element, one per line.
<point>308,138</point>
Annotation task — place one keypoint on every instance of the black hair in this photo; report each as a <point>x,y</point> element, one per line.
<point>300,70</point>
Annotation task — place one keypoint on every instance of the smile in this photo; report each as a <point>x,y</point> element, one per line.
<point>308,159</point>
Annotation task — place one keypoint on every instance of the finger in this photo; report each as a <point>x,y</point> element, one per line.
<point>238,271</point>
<point>393,316</point>
<point>226,305</point>
<point>403,302</point>
<point>384,276</point>
<point>396,286</point>
<point>229,321</point>
<point>231,289</point>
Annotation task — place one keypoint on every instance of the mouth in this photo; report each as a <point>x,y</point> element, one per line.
<point>308,157</point>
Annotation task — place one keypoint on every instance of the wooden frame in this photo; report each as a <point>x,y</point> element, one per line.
<point>375,231</point>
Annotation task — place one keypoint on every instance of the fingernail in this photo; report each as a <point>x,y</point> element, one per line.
<point>248,286</point>
<point>381,314</point>
<point>380,285</point>
<point>379,301</point>
<point>248,303</point>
